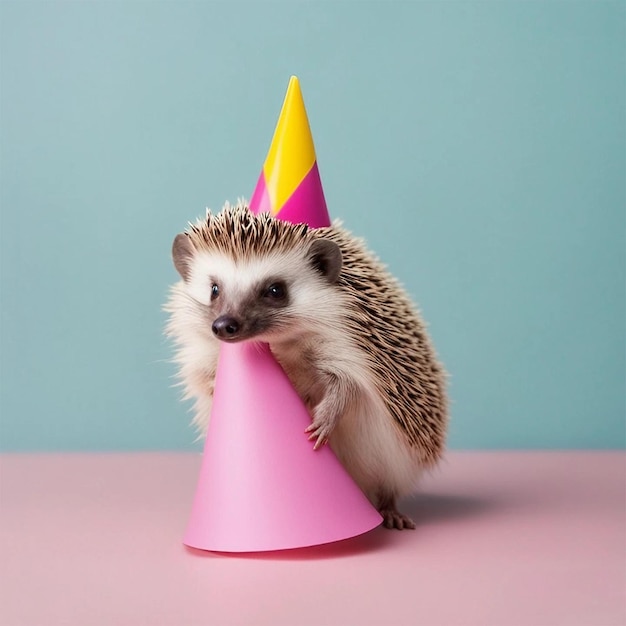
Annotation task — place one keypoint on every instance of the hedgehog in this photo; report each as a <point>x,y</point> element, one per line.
<point>344,330</point>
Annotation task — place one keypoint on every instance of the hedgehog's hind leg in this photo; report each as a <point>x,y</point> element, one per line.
<point>392,518</point>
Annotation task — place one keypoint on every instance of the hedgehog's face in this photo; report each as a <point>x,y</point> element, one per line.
<point>268,297</point>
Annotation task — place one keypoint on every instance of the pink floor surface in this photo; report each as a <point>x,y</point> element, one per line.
<point>502,539</point>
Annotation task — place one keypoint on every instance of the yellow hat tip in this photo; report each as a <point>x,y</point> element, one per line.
<point>292,152</point>
<point>293,91</point>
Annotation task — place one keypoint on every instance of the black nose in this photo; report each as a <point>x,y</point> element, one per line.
<point>225,327</point>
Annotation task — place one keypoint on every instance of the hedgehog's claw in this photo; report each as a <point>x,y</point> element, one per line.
<point>319,432</point>
<point>320,438</point>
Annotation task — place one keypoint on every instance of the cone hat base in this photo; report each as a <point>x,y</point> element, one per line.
<point>306,205</point>
<point>262,487</point>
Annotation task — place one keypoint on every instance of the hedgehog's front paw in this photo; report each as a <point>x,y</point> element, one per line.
<point>320,429</point>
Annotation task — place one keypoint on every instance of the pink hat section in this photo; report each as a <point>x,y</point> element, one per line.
<point>262,486</point>
<point>306,205</point>
<point>260,201</point>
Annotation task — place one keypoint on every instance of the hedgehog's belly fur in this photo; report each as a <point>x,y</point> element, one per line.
<point>366,439</point>
<point>372,450</point>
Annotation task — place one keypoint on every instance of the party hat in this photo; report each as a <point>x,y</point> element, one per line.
<point>289,186</point>
<point>262,486</point>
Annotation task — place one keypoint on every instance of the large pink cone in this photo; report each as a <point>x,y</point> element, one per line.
<point>262,486</point>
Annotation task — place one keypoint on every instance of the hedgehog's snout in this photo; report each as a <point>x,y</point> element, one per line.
<point>226,327</point>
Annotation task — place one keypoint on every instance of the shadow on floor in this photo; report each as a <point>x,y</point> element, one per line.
<point>431,508</point>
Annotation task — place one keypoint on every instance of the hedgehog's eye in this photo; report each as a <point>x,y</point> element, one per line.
<point>215,291</point>
<point>276,291</point>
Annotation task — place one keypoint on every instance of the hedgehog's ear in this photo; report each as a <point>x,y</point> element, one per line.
<point>325,257</point>
<point>182,253</point>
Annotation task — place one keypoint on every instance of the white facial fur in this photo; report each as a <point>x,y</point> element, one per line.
<point>309,294</point>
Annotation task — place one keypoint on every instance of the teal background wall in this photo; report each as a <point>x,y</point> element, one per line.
<point>480,147</point>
